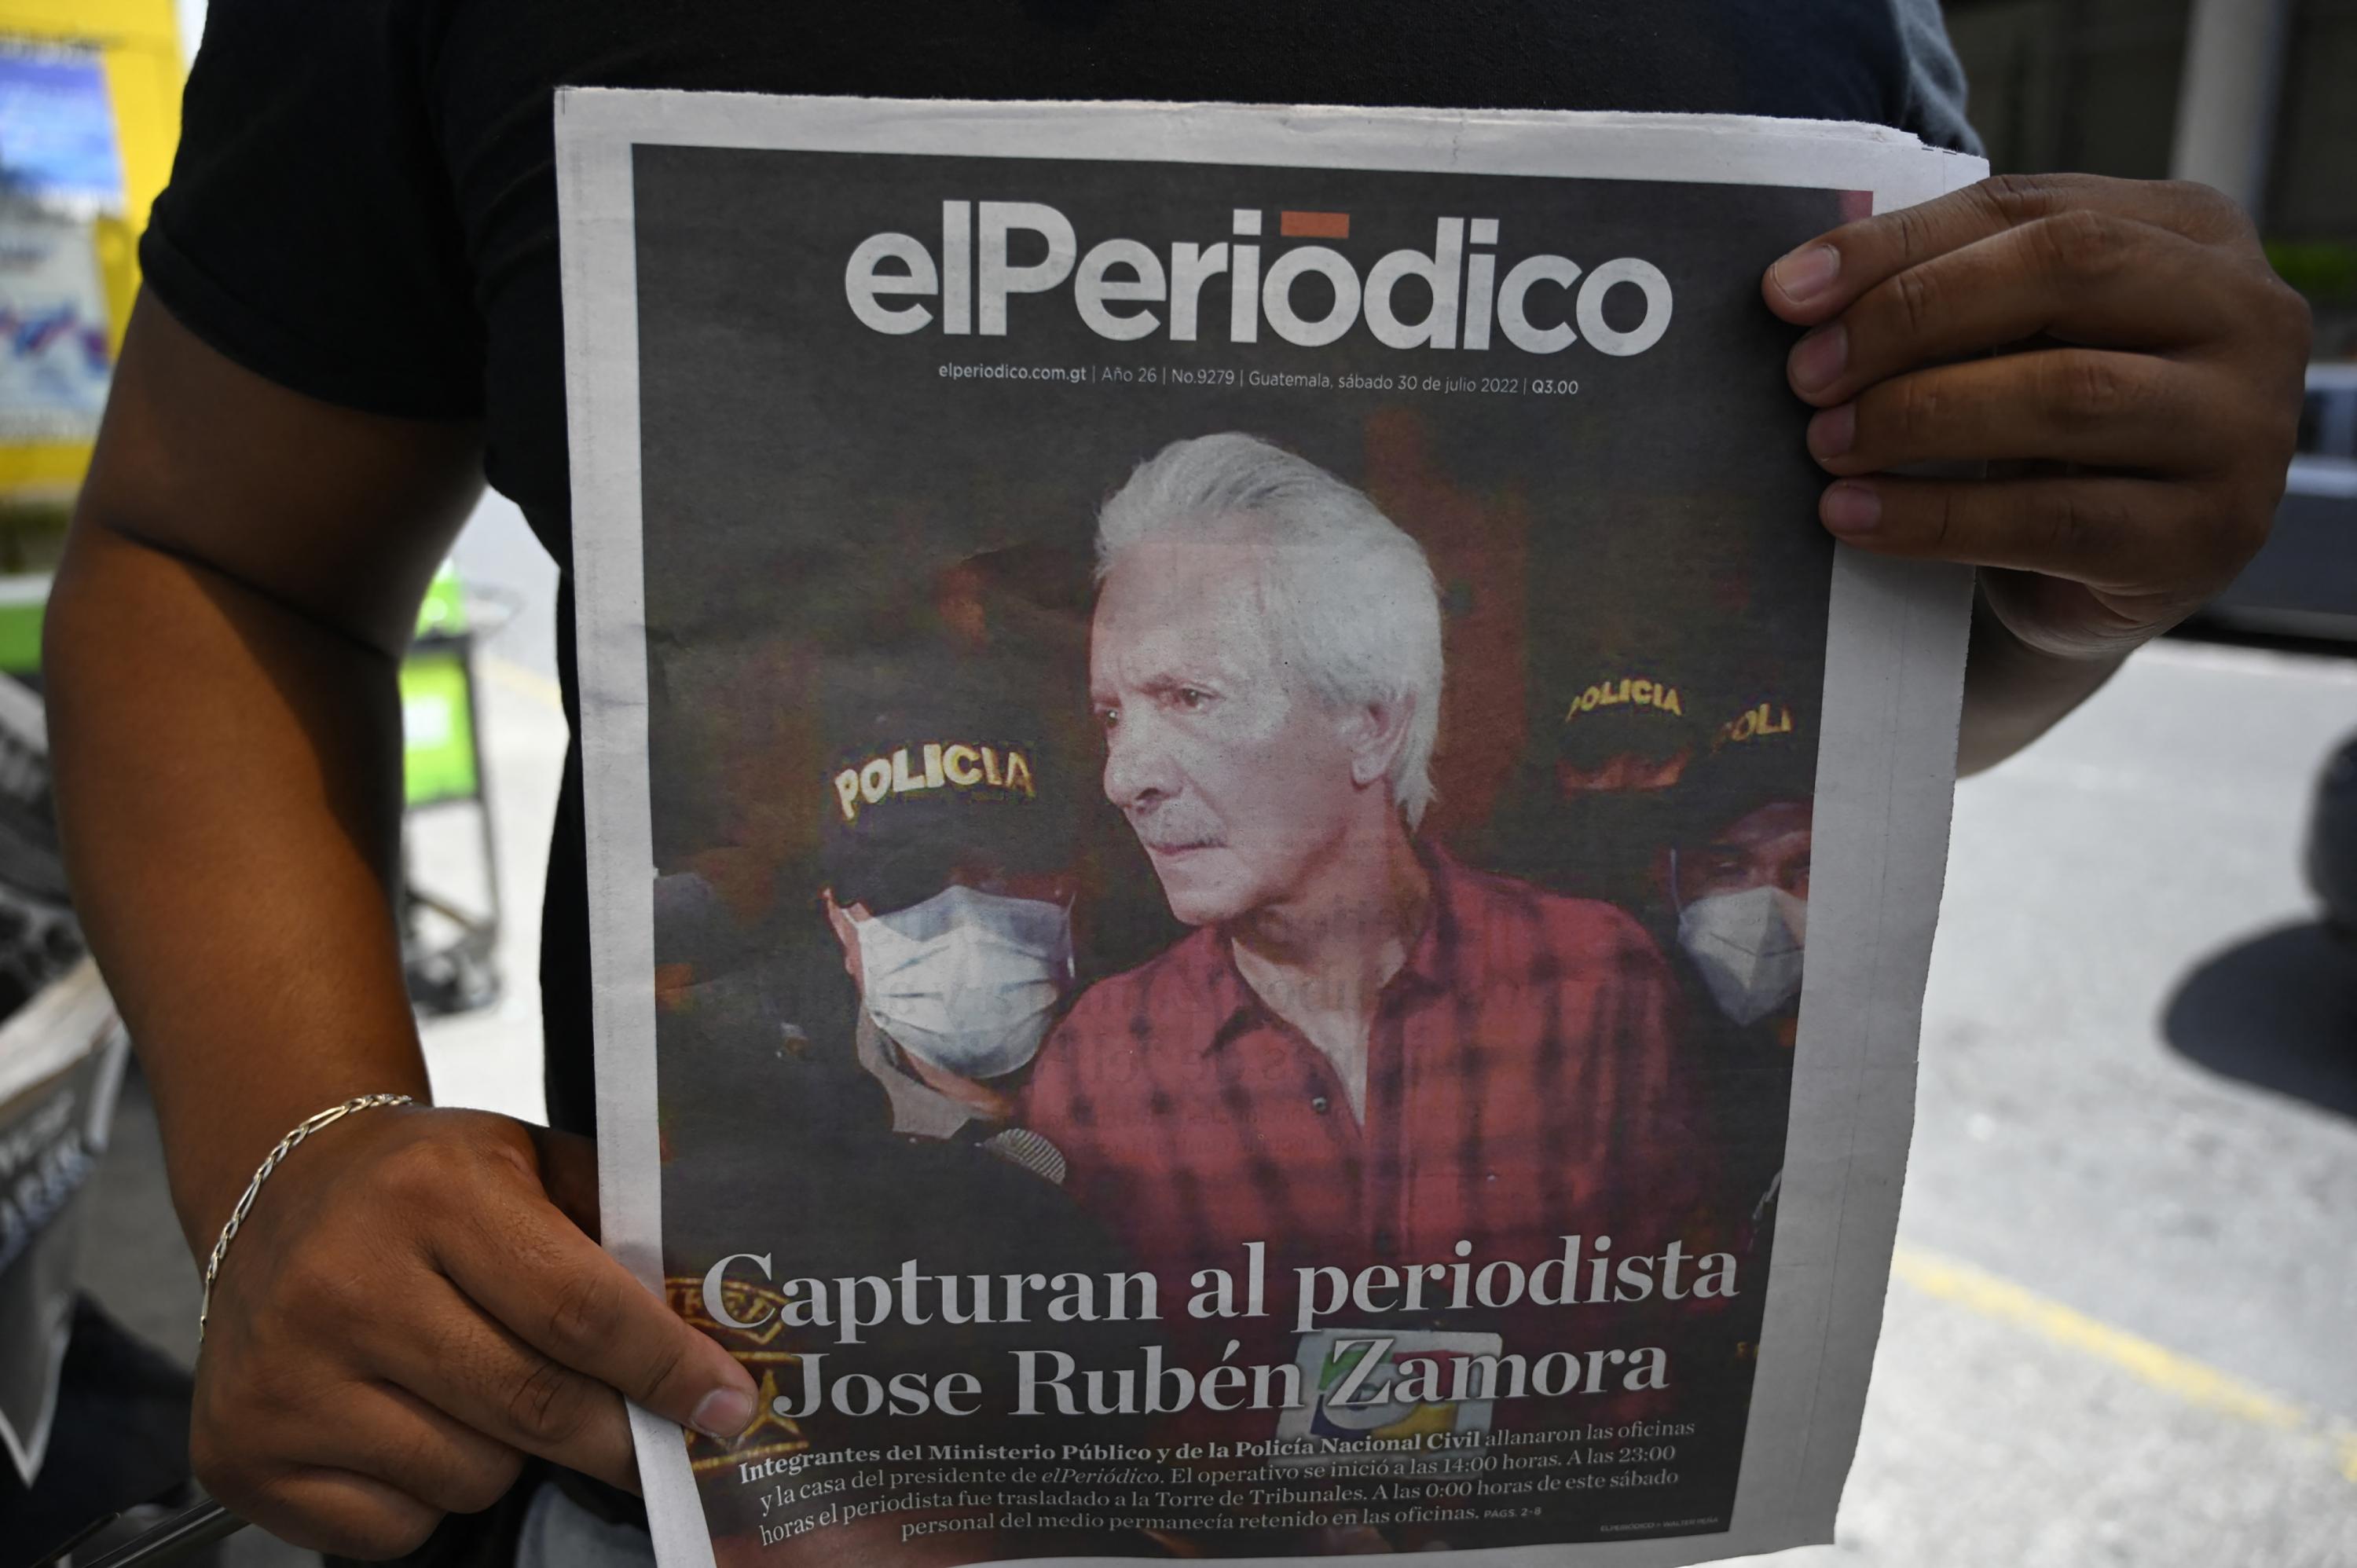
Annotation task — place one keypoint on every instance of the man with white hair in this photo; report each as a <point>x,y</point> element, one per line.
<point>1366,1054</point>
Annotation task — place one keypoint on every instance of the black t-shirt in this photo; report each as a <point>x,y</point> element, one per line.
<point>364,204</point>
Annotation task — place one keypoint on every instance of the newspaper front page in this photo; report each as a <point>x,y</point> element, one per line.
<point>1260,890</point>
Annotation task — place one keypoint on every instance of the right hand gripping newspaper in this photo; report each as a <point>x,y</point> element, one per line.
<point>1260,889</point>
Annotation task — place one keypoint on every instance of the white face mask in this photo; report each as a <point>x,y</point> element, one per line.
<point>968,980</point>
<point>1748,946</point>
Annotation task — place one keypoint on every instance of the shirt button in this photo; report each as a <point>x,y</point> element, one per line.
<point>1318,1103</point>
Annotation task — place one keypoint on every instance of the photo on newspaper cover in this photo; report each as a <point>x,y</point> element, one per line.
<point>1230,753</point>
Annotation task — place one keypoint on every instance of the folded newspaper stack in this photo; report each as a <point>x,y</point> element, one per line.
<point>62,1053</point>
<point>1354,871</point>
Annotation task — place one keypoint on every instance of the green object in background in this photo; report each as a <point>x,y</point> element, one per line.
<point>437,697</point>
<point>2326,273</point>
<point>21,601</point>
<point>438,722</point>
<point>437,706</point>
<point>443,613</point>
<point>24,597</point>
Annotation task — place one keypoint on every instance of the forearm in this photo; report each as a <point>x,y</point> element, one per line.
<point>2014,694</point>
<point>223,653</point>
<point>227,783</point>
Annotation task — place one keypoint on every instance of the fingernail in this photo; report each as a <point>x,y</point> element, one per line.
<point>1851,508</point>
<point>1832,430</point>
<point>722,1413</point>
<point>1807,272</point>
<point>1819,357</point>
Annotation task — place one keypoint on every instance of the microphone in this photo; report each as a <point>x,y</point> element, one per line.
<point>1028,1150</point>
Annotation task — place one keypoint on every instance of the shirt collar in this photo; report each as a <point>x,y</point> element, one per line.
<point>1437,958</point>
<point>1433,963</point>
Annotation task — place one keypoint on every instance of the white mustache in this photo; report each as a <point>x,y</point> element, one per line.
<point>1171,831</point>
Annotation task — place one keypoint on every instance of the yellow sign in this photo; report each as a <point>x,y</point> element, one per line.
<point>932,766</point>
<point>136,44</point>
<point>1626,692</point>
<point>1768,718</point>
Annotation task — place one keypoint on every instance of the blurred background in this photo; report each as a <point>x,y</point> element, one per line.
<point>2120,1323</point>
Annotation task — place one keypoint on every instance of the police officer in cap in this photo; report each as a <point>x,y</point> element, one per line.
<point>947,854</point>
<point>950,823</point>
<point>1631,729</point>
<point>1738,871</point>
<point>1736,881</point>
<point>1596,810</point>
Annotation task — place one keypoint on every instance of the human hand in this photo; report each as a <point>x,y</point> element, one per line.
<point>411,1308</point>
<point>2140,409</point>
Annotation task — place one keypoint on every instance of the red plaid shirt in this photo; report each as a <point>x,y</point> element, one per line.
<point>1520,1089</point>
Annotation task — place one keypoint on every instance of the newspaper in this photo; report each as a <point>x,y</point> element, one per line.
<point>1215,738</point>
<point>62,1053</point>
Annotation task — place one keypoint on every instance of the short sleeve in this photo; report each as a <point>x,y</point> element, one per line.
<point>1935,77</point>
<point>308,230</point>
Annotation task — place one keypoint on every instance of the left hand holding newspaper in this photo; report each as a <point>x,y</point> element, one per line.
<point>409,1306</point>
<point>412,1305</point>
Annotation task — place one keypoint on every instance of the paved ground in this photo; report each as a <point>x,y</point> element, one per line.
<point>2121,1330</point>
<point>2121,1326</point>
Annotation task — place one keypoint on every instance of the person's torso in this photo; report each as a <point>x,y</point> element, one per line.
<point>486,74</point>
<point>489,71</point>
<point>1520,1108</point>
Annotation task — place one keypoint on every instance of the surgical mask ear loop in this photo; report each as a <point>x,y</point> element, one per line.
<point>1068,904</point>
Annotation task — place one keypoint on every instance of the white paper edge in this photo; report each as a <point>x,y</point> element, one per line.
<point>27,1453</point>
<point>21,712</point>
<point>1893,695</point>
<point>76,1015</point>
<point>59,1026</point>
<point>599,268</point>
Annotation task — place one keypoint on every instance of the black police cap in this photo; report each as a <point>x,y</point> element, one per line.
<point>940,768</point>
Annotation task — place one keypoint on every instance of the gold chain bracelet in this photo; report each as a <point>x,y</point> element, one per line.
<point>332,1114</point>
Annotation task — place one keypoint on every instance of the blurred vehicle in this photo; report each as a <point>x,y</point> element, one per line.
<point>2304,582</point>
<point>2332,842</point>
